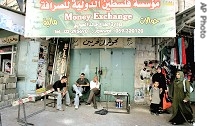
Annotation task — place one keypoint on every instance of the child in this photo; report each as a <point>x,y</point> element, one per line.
<point>155,98</point>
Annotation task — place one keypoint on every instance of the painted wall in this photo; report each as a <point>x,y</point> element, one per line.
<point>42,65</point>
<point>121,67</point>
<point>117,67</point>
<point>27,67</point>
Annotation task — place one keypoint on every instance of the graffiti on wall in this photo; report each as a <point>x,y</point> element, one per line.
<point>62,59</point>
<point>42,66</point>
<point>60,65</point>
<point>139,95</point>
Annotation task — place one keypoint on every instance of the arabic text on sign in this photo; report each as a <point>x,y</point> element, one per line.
<point>9,40</point>
<point>83,5</point>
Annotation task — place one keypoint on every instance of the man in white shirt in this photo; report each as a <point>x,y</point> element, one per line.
<point>94,90</point>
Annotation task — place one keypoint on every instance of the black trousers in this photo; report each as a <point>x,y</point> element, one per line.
<point>154,107</point>
<point>161,99</point>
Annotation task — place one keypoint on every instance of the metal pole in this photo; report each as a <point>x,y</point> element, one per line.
<point>54,62</point>
<point>24,112</point>
<point>24,119</point>
<point>0,120</point>
<point>37,112</point>
<point>18,112</point>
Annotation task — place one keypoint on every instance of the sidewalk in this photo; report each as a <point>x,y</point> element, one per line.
<point>84,116</point>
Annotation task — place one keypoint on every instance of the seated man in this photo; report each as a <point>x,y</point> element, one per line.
<point>60,88</point>
<point>94,90</point>
<point>78,88</point>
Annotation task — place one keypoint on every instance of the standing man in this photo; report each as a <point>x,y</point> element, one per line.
<point>79,87</point>
<point>60,88</point>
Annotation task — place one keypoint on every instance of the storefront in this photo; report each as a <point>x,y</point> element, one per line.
<point>112,59</point>
<point>178,53</point>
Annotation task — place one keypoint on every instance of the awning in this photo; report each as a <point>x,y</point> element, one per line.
<point>185,21</point>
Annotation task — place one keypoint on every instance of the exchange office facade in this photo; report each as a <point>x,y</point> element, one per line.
<point>114,49</point>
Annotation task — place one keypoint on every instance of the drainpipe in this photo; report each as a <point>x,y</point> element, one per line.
<point>68,61</point>
<point>54,62</point>
<point>158,49</point>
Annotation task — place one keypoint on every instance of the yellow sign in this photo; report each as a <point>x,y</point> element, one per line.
<point>9,40</point>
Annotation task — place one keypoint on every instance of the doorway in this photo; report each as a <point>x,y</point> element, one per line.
<point>117,66</point>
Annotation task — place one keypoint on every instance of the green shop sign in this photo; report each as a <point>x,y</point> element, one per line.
<point>100,18</point>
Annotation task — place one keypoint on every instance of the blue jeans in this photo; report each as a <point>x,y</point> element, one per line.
<point>59,99</point>
<point>78,91</point>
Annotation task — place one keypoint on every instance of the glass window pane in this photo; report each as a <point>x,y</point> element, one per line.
<point>5,49</point>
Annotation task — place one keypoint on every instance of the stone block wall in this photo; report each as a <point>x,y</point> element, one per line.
<point>8,90</point>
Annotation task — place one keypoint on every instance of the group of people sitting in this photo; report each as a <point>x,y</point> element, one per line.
<point>181,109</point>
<point>81,85</point>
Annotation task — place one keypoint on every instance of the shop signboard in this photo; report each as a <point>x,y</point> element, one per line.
<point>12,21</point>
<point>114,42</point>
<point>100,18</point>
<point>9,40</point>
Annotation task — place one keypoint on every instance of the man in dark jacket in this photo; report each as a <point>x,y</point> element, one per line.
<point>159,77</point>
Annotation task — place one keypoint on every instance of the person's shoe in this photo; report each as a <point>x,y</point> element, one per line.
<point>87,103</point>
<point>60,109</point>
<point>173,123</point>
<point>190,121</point>
<point>160,111</point>
<point>167,112</point>
<point>79,94</point>
<point>152,113</point>
<point>68,105</point>
<point>157,114</point>
<point>76,107</point>
<point>95,107</point>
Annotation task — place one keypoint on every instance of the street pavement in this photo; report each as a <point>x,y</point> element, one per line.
<point>39,115</point>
